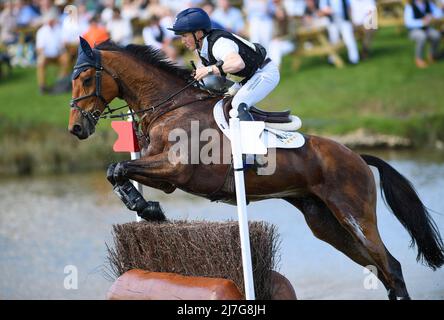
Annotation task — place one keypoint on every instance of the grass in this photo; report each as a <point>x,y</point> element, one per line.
<point>23,106</point>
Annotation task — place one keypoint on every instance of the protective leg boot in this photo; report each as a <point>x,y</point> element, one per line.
<point>130,196</point>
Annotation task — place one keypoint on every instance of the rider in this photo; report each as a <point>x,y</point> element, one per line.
<point>225,54</point>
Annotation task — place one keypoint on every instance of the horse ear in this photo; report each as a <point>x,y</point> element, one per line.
<point>86,48</point>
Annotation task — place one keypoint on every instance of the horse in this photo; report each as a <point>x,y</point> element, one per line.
<point>331,185</point>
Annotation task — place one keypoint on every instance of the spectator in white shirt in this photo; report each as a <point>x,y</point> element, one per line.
<point>363,16</point>
<point>120,29</point>
<point>8,24</point>
<point>75,23</point>
<point>229,17</point>
<point>107,12</point>
<point>50,49</point>
<point>157,36</point>
<point>418,15</point>
<point>313,17</point>
<point>260,21</point>
<point>281,44</point>
<point>294,8</point>
<point>340,26</point>
<point>131,9</point>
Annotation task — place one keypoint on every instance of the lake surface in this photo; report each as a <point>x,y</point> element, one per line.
<point>49,223</point>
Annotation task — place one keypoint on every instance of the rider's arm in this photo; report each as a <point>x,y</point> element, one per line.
<point>233,63</point>
<point>227,51</point>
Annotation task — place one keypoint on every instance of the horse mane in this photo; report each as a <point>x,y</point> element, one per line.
<point>148,55</point>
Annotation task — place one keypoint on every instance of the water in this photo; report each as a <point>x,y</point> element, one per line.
<point>49,223</point>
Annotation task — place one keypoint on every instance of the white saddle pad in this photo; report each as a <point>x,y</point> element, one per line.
<point>271,137</point>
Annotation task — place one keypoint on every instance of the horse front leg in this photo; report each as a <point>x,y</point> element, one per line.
<point>133,199</point>
<point>155,171</point>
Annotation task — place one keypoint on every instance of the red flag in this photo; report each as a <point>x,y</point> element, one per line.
<point>127,139</point>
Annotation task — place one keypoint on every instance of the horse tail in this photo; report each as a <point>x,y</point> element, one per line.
<point>399,194</point>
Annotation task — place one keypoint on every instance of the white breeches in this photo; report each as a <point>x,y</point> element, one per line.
<point>344,29</point>
<point>259,86</point>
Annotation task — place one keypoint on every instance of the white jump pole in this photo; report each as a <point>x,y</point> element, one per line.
<point>236,149</point>
<point>136,155</point>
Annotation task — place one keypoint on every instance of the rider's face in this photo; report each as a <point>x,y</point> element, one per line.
<point>188,41</point>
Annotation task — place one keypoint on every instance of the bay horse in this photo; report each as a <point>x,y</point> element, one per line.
<point>331,185</point>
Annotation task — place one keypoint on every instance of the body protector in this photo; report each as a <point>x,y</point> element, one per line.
<point>253,54</point>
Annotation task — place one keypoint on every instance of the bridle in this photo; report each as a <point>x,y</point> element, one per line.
<point>94,115</point>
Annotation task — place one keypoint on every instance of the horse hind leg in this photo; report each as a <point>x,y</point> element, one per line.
<point>326,227</point>
<point>360,222</point>
<point>131,197</point>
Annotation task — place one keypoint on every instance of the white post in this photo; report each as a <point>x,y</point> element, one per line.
<point>236,149</point>
<point>136,155</point>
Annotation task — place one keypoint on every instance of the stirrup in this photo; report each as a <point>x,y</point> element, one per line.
<point>244,113</point>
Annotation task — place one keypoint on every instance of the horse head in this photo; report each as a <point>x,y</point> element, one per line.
<point>93,87</point>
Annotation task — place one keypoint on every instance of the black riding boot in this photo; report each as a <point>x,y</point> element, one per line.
<point>244,112</point>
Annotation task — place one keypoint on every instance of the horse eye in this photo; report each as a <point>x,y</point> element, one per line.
<point>87,82</point>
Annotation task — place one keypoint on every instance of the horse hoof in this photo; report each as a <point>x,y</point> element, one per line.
<point>152,212</point>
<point>110,173</point>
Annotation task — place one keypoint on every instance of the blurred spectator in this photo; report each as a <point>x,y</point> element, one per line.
<point>131,9</point>
<point>45,6</point>
<point>260,21</point>
<point>154,8</point>
<point>59,4</point>
<point>363,12</point>
<point>26,14</point>
<point>107,12</point>
<point>294,8</point>
<point>280,45</point>
<point>313,17</point>
<point>157,36</point>
<point>74,23</point>
<point>229,17</point>
<point>96,32</point>
<point>340,25</point>
<point>418,15</point>
<point>50,49</point>
<point>209,7</point>
<point>28,19</point>
<point>175,6</point>
<point>8,24</point>
<point>120,29</point>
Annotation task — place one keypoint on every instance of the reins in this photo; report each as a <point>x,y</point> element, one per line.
<point>108,114</point>
<point>95,115</point>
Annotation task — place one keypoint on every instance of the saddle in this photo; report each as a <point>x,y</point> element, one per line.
<point>258,114</point>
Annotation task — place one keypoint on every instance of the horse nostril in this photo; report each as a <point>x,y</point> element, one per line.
<point>76,129</point>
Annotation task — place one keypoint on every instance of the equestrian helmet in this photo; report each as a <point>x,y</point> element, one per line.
<point>190,20</point>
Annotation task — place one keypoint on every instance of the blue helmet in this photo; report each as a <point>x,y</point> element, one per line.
<point>190,20</point>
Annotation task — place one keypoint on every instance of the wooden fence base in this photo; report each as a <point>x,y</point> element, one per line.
<point>138,284</point>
